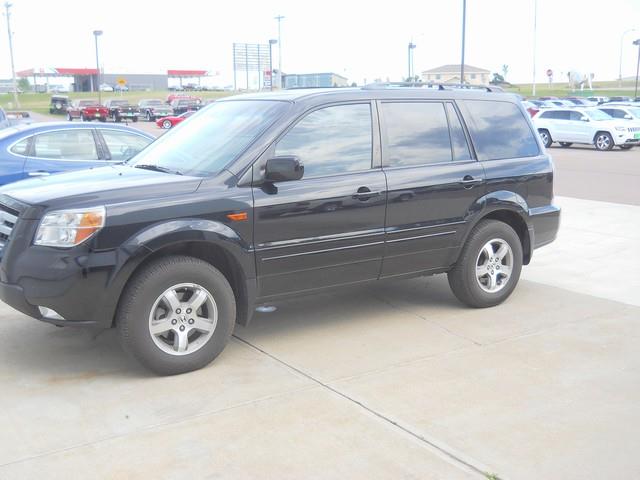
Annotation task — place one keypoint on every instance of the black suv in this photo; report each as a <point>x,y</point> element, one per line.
<point>258,197</point>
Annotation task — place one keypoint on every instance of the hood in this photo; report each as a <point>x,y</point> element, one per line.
<point>98,186</point>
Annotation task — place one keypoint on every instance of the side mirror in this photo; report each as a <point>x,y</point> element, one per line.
<point>628,117</point>
<point>283,169</point>
<point>585,119</point>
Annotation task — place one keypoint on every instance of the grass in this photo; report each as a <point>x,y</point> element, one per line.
<point>39,102</point>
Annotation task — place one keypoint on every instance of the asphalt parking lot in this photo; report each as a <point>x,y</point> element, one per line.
<point>392,380</point>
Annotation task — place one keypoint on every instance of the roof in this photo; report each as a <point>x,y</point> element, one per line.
<point>186,73</point>
<point>356,93</point>
<point>49,126</point>
<point>56,71</point>
<point>456,69</point>
<point>313,74</point>
<point>76,71</point>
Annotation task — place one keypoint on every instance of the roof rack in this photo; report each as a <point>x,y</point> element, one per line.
<point>430,85</point>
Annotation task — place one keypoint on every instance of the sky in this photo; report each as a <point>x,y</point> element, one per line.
<point>359,40</point>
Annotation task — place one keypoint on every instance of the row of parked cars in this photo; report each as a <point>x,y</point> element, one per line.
<point>165,113</point>
<point>604,122</point>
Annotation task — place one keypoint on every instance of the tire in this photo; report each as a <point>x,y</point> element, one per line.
<point>135,119</point>
<point>149,118</point>
<point>102,119</point>
<point>603,141</point>
<point>117,119</point>
<point>83,118</point>
<point>626,147</point>
<point>545,136</point>
<point>566,144</point>
<point>166,124</point>
<point>69,117</point>
<point>144,297</point>
<point>464,281</point>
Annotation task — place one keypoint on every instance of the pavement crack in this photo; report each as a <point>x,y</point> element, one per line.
<point>455,457</point>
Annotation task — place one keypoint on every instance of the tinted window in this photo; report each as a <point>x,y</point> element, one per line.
<point>20,148</point>
<point>500,130</point>
<point>458,140</point>
<point>548,115</point>
<point>416,134</point>
<point>563,115</point>
<point>122,145</point>
<point>614,112</point>
<point>73,144</point>
<point>575,115</point>
<point>331,140</point>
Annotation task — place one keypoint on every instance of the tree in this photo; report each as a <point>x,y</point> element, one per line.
<point>23,84</point>
<point>505,70</point>
<point>497,79</point>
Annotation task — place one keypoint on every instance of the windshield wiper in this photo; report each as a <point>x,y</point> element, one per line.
<point>157,168</point>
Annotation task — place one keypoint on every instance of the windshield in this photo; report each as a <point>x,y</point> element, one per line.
<point>635,112</point>
<point>211,139</point>
<point>597,115</point>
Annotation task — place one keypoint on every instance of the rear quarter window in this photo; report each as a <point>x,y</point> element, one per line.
<point>499,130</point>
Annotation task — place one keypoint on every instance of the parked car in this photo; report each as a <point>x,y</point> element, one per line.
<point>182,105</point>
<point>59,104</point>
<point>120,88</point>
<point>57,88</point>
<point>87,110</point>
<point>187,238</point>
<point>105,87</point>
<point>585,125</point>
<point>623,112</point>
<point>153,108</point>
<point>598,100</point>
<point>176,88</point>
<point>561,103</point>
<point>530,107</point>
<point>620,98</point>
<point>581,102</point>
<point>120,109</point>
<point>173,120</point>
<point>45,148</point>
<point>182,96</point>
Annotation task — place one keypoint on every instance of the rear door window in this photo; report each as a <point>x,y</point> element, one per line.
<point>415,133</point>
<point>499,130</point>
<point>73,144</point>
<point>123,145</point>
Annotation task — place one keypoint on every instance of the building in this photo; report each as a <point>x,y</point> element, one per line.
<point>314,80</point>
<point>451,74</point>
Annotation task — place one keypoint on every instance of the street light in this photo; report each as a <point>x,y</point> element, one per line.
<point>7,6</point>
<point>96,34</point>
<point>464,27</point>
<point>410,61</point>
<point>279,19</point>
<point>621,46</point>
<point>272,42</point>
<point>637,42</point>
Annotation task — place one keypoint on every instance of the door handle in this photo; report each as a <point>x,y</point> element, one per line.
<point>364,193</point>
<point>468,181</point>
<point>38,173</point>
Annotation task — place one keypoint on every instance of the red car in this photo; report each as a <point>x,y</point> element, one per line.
<point>182,96</point>
<point>172,121</point>
<point>87,110</point>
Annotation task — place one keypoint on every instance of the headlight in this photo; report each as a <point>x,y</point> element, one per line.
<point>68,228</point>
<point>621,129</point>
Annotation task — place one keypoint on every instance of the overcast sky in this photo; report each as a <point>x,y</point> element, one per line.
<point>359,40</point>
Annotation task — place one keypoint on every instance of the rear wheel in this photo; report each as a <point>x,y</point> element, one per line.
<point>149,118</point>
<point>166,124</point>
<point>603,141</point>
<point>545,136</point>
<point>626,147</point>
<point>566,144</point>
<point>176,315</point>
<point>489,265</point>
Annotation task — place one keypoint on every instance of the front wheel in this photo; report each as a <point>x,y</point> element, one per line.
<point>166,124</point>
<point>603,141</point>
<point>545,136</point>
<point>176,315</point>
<point>489,265</point>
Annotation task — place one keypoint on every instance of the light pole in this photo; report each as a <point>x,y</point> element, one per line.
<point>7,6</point>
<point>535,32</point>
<point>621,47</point>
<point>410,61</point>
<point>279,19</point>
<point>637,42</point>
<point>96,34</point>
<point>464,27</point>
<point>272,42</point>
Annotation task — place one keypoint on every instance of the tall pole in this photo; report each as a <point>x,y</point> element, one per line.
<point>279,19</point>
<point>637,42</point>
<point>621,47</point>
<point>7,6</point>
<point>535,32</point>
<point>411,71</point>
<point>464,26</point>
<point>271,42</point>
<point>96,34</point>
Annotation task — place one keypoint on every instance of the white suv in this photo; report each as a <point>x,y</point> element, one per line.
<point>585,125</point>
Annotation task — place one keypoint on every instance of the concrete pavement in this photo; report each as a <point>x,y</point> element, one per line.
<point>391,380</point>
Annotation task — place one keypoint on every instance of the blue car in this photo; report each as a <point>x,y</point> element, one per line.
<point>28,151</point>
